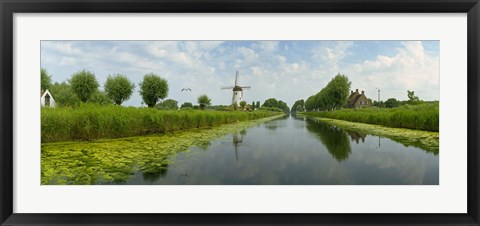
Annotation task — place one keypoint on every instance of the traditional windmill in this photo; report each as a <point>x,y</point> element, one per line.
<point>237,91</point>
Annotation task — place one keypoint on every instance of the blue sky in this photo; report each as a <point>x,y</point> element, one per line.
<point>286,70</point>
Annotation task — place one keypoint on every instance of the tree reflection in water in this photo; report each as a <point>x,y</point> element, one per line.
<point>335,139</point>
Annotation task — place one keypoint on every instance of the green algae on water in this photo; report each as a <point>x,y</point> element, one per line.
<point>116,160</point>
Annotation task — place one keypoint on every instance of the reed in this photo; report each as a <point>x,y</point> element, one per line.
<point>419,117</point>
<point>90,121</point>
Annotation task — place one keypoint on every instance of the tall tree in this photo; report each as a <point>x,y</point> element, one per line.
<point>153,88</point>
<point>204,101</point>
<point>84,84</point>
<point>45,79</point>
<point>336,93</point>
<point>118,88</point>
<point>333,96</point>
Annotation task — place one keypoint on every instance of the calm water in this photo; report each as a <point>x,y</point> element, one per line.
<point>298,151</point>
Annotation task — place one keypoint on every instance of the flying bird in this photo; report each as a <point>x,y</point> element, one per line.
<point>186,89</point>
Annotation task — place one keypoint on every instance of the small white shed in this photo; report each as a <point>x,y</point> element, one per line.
<point>46,99</point>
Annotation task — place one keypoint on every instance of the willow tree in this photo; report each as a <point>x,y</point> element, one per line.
<point>153,88</point>
<point>204,101</point>
<point>84,84</point>
<point>118,88</point>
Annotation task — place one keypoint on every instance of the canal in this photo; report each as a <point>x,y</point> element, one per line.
<point>296,151</point>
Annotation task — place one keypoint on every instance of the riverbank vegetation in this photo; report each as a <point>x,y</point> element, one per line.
<point>114,161</point>
<point>331,102</point>
<point>419,117</point>
<point>92,121</point>
<point>425,140</point>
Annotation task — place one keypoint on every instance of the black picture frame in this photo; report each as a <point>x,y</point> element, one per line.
<point>9,7</point>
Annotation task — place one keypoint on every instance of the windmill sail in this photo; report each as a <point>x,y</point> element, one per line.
<point>236,79</point>
<point>237,91</point>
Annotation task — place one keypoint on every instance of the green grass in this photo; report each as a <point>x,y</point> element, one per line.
<point>418,117</point>
<point>89,121</point>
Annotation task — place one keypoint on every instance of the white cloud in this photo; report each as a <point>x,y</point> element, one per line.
<point>247,53</point>
<point>332,54</point>
<point>286,71</point>
<point>411,68</point>
<point>65,48</point>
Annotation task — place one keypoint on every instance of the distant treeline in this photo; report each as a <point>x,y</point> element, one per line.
<point>273,104</point>
<point>421,117</point>
<point>91,121</point>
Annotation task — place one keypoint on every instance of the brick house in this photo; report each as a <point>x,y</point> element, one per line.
<point>358,100</point>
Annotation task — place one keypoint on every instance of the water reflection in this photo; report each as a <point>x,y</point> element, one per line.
<point>237,140</point>
<point>302,151</point>
<point>357,136</point>
<point>289,150</point>
<point>335,139</point>
<point>273,125</point>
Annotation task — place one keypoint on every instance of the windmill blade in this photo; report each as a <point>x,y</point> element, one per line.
<point>236,79</point>
<point>227,87</point>
<point>245,87</point>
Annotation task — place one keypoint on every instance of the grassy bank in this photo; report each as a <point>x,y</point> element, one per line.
<point>90,122</point>
<point>426,140</point>
<point>106,161</point>
<point>419,117</point>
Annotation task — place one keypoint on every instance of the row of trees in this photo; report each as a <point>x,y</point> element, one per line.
<point>84,87</point>
<point>331,97</point>
<point>169,104</point>
<point>274,103</point>
<point>298,106</point>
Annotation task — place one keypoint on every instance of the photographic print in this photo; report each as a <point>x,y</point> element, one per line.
<point>285,112</point>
